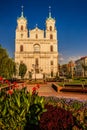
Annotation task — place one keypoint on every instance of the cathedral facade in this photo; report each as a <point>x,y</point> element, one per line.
<point>36,48</point>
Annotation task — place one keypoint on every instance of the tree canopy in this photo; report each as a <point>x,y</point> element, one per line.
<point>22,70</point>
<point>7,65</point>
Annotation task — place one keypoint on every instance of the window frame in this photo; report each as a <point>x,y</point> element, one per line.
<point>21,48</point>
<point>51,48</point>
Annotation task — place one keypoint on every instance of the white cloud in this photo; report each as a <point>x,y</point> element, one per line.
<point>65,59</point>
<point>61,58</point>
<point>74,58</point>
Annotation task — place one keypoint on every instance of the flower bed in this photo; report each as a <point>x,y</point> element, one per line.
<point>22,110</point>
<point>56,118</point>
<point>76,107</point>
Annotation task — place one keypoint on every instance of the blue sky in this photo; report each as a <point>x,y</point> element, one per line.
<point>71,23</point>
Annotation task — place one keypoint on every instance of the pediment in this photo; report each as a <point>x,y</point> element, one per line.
<point>36,30</point>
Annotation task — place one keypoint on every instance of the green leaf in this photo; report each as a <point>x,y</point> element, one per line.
<point>4,111</point>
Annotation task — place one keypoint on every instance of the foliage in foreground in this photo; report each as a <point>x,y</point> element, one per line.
<point>19,107</point>
<point>56,118</point>
<point>77,108</point>
<point>22,110</point>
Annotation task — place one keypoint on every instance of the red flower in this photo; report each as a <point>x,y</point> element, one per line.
<point>22,85</point>
<point>16,86</point>
<point>14,83</point>
<point>1,78</point>
<point>10,92</point>
<point>38,86</point>
<point>9,84</point>
<point>6,81</point>
<point>34,88</point>
<point>34,91</point>
<point>13,87</point>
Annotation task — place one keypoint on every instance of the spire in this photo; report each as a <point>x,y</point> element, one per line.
<point>22,13</point>
<point>36,25</point>
<point>49,11</point>
<point>49,16</point>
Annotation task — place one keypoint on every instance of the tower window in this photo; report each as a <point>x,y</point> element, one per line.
<point>21,48</point>
<point>51,48</point>
<point>50,28</point>
<point>51,36</point>
<point>22,27</point>
<point>36,36</point>
<point>51,62</point>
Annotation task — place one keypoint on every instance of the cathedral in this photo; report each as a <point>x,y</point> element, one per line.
<point>36,48</point>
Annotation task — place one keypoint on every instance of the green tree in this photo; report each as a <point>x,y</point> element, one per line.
<point>7,64</point>
<point>11,67</point>
<point>22,70</point>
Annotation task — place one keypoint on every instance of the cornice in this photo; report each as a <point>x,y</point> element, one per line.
<point>34,40</point>
<point>35,53</point>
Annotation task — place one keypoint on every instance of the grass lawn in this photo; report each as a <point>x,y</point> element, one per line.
<point>73,82</point>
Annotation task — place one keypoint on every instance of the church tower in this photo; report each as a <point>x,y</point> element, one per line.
<point>21,35</point>
<point>36,48</point>
<point>21,30</point>
<point>51,36</point>
<point>51,32</point>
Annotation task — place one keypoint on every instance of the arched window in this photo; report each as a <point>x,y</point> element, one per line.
<point>21,27</point>
<point>36,36</point>
<point>50,28</point>
<point>51,48</point>
<point>51,36</point>
<point>21,48</point>
<point>36,48</point>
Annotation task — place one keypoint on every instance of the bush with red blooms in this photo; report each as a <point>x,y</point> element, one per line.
<point>35,89</point>
<point>56,119</point>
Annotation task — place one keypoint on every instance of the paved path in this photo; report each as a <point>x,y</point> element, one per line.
<point>47,90</point>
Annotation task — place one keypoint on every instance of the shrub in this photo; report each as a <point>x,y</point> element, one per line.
<point>20,109</point>
<point>77,108</point>
<point>56,119</point>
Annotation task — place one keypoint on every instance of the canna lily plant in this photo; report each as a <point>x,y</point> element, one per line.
<point>19,108</point>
